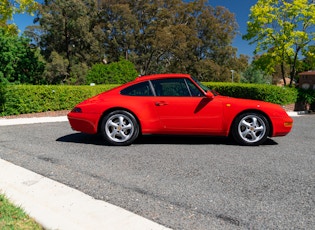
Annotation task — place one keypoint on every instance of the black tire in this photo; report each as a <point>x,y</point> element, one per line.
<point>250,129</point>
<point>119,128</point>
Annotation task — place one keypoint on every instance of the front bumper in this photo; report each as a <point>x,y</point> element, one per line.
<point>281,126</point>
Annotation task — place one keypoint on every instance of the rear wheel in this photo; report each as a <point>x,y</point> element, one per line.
<point>250,129</point>
<point>119,128</point>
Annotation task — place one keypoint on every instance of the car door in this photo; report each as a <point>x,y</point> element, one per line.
<point>183,108</point>
<point>139,99</point>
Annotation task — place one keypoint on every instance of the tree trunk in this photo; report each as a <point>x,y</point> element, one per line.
<point>283,74</point>
<point>67,44</point>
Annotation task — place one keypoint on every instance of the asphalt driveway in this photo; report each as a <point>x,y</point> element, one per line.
<point>180,182</point>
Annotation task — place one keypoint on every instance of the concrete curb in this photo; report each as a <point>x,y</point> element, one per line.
<point>56,206</point>
<point>32,120</point>
<point>293,114</point>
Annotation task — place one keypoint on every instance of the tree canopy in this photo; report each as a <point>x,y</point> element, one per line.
<point>155,35</point>
<point>69,35</point>
<point>171,36</point>
<point>282,30</point>
<point>9,7</point>
<point>18,61</point>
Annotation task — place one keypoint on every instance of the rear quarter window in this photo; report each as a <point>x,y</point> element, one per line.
<point>140,89</point>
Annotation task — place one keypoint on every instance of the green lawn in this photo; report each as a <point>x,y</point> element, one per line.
<point>12,217</point>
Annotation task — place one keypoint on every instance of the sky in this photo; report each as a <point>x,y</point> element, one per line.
<point>241,10</point>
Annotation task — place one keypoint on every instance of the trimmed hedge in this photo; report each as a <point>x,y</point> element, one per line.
<point>22,99</point>
<point>263,92</point>
<point>3,90</point>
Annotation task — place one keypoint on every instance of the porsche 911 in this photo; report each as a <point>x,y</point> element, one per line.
<point>176,104</point>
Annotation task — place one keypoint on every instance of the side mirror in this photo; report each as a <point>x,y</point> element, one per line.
<point>209,95</point>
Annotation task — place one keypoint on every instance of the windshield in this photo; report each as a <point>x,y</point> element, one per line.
<point>205,88</point>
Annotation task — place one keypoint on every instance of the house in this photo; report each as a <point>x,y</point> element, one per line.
<point>307,80</point>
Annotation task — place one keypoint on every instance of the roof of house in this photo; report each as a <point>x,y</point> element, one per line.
<point>307,73</point>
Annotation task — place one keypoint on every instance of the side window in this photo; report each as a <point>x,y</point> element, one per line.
<point>171,87</point>
<point>195,92</point>
<point>141,89</point>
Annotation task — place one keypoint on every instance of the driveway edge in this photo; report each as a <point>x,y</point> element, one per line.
<point>56,206</point>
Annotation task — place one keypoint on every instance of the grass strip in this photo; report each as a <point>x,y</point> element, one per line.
<point>12,217</point>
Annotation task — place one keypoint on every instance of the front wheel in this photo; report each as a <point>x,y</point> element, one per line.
<point>250,129</point>
<point>119,128</point>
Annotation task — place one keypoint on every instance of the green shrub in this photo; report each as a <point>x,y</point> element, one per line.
<point>263,92</point>
<point>113,73</point>
<point>21,99</point>
<point>306,96</point>
<point>3,90</point>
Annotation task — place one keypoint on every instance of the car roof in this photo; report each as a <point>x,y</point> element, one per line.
<point>164,75</point>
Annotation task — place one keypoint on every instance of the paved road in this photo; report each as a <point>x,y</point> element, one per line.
<point>180,182</point>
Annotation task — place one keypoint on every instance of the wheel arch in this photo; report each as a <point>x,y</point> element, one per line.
<point>252,111</point>
<point>106,112</point>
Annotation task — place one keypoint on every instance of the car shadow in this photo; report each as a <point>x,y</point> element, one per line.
<point>182,140</point>
<point>191,140</point>
<point>82,138</point>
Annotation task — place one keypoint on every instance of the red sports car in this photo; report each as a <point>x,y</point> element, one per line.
<point>176,104</point>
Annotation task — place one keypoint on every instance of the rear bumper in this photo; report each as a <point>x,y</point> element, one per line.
<point>85,123</point>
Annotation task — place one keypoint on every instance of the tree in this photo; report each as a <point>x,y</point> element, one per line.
<point>56,69</point>
<point>9,8</point>
<point>308,63</point>
<point>69,31</point>
<point>252,74</point>
<point>171,36</point>
<point>155,35</point>
<point>283,30</point>
<point>19,63</point>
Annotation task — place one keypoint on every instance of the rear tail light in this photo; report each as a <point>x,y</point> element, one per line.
<point>76,110</point>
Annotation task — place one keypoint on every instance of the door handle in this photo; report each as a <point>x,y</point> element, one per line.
<point>161,103</point>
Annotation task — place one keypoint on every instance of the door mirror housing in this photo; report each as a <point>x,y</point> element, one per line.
<point>209,95</point>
